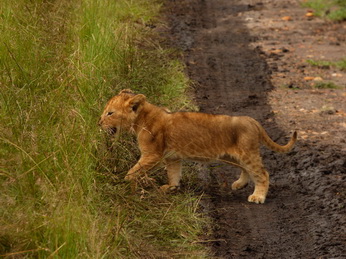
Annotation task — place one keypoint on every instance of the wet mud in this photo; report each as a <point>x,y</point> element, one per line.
<point>304,215</point>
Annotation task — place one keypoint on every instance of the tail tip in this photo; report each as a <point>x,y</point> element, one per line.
<point>295,135</point>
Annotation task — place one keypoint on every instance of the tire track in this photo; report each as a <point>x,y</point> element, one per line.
<point>232,78</point>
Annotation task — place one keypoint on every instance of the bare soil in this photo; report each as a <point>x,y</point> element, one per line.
<point>249,58</point>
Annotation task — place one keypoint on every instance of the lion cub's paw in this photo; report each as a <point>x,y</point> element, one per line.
<point>168,188</point>
<point>129,177</point>
<point>256,199</point>
<point>144,179</point>
<point>238,185</point>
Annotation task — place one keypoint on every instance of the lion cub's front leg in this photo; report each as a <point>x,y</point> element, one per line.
<point>173,168</point>
<point>144,164</point>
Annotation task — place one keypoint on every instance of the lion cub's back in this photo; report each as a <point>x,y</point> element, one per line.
<point>197,134</point>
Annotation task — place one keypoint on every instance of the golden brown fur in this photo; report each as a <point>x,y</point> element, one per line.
<point>171,137</point>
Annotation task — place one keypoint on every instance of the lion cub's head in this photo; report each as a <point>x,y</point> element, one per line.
<point>121,111</point>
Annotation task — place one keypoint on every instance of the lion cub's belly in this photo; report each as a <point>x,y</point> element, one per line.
<point>195,153</point>
<point>184,156</point>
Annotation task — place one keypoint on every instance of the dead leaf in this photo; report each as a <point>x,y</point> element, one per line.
<point>341,113</point>
<point>313,78</point>
<point>318,79</point>
<point>309,13</point>
<point>276,51</point>
<point>286,18</point>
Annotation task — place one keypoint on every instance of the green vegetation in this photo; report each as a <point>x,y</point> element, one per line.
<point>61,195</point>
<point>325,85</point>
<point>327,64</point>
<point>331,9</point>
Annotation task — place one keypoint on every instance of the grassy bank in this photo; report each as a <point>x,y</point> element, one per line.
<point>334,10</point>
<point>62,193</point>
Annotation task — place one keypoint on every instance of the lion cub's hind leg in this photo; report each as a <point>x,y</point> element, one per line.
<point>173,168</point>
<point>244,177</point>
<point>242,181</point>
<point>258,175</point>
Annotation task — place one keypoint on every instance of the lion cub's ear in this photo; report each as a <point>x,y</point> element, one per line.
<point>126,91</point>
<point>136,101</point>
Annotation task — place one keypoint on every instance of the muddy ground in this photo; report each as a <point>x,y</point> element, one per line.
<point>249,58</point>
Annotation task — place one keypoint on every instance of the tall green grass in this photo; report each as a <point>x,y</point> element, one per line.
<point>62,193</point>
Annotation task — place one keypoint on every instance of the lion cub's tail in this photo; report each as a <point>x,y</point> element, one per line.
<point>268,142</point>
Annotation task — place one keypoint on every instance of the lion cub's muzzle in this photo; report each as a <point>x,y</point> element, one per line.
<point>108,130</point>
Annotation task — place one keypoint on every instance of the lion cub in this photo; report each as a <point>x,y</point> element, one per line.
<point>171,137</point>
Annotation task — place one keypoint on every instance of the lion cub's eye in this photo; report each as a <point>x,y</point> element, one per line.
<point>109,113</point>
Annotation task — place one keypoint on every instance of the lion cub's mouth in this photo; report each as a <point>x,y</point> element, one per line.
<point>112,131</point>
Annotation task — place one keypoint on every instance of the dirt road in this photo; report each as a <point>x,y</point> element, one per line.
<point>245,59</point>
